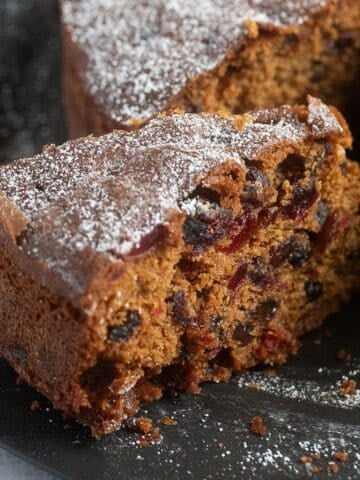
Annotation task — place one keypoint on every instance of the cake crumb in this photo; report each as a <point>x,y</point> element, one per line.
<point>270,372</point>
<point>67,426</point>
<point>258,426</point>
<point>140,424</point>
<point>150,438</point>
<point>310,458</point>
<point>341,456</point>
<point>255,386</point>
<point>150,435</point>
<point>316,469</point>
<point>343,355</point>
<point>348,388</point>
<point>168,421</point>
<point>35,406</point>
<point>333,468</point>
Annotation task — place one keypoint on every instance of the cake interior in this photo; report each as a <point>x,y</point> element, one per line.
<point>262,257</point>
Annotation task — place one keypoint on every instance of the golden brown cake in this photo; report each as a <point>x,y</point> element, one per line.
<point>192,248</point>
<point>127,60</point>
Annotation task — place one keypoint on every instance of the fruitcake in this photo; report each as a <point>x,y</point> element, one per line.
<point>150,261</point>
<point>126,61</point>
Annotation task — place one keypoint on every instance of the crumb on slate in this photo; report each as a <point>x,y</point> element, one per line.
<point>348,388</point>
<point>270,372</point>
<point>255,386</point>
<point>310,458</point>
<point>316,469</point>
<point>35,406</point>
<point>149,435</point>
<point>258,426</point>
<point>140,424</point>
<point>343,355</point>
<point>333,468</point>
<point>341,456</point>
<point>168,421</point>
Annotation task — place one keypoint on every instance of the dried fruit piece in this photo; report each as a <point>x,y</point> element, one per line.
<point>313,289</point>
<point>238,277</point>
<point>249,226</point>
<point>120,333</point>
<point>258,426</point>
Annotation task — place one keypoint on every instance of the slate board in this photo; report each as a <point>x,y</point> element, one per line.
<point>301,406</point>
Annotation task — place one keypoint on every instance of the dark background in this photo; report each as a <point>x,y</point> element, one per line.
<point>30,101</point>
<point>302,410</point>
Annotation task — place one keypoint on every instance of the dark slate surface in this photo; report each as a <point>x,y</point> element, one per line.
<point>302,408</point>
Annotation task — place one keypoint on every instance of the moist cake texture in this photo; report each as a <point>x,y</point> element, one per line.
<point>155,260</point>
<point>126,61</point>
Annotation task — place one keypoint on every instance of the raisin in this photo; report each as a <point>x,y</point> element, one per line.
<point>202,231</point>
<point>290,250</point>
<point>242,334</point>
<point>257,181</point>
<point>238,277</point>
<point>292,168</point>
<point>180,310</point>
<point>121,333</point>
<point>260,275</point>
<point>303,198</point>
<point>313,290</point>
<point>266,310</point>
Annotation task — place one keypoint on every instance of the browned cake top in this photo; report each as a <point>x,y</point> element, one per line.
<point>81,207</point>
<point>136,55</point>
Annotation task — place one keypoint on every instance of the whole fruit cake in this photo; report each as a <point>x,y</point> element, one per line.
<point>194,247</point>
<point>127,60</point>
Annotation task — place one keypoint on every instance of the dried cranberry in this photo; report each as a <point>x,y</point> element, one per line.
<point>266,310</point>
<point>271,341</point>
<point>303,198</point>
<point>149,241</point>
<point>249,225</point>
<point>313,290</point>
<point>332,227</point>
<point>120,333</point>
<point>242,334</point>
<point>238,277</point>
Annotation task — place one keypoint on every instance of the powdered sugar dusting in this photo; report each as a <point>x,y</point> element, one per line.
<point>139,54</point>
<point>101,196</point>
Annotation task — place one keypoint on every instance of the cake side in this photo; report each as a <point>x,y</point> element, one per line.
<point>229,56</point>
<point>250,239</point>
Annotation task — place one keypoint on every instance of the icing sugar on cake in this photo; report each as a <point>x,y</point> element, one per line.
<point>139,54</point>
<point>101,196</point>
